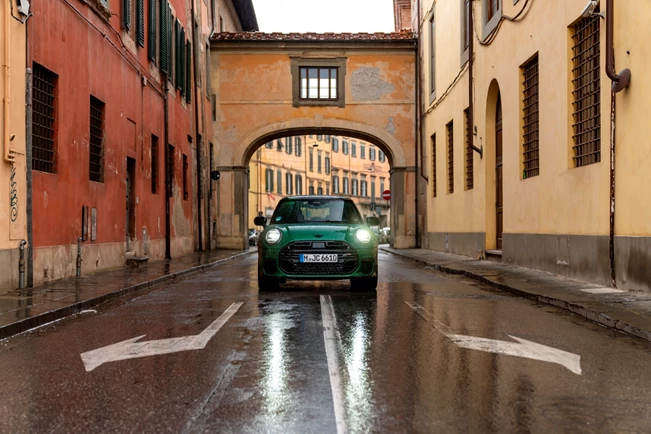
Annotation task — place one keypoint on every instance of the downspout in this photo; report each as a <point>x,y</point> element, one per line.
<point>196,131</point>
<point>471,96</point>
<point>168,175</point>
<point>28,163</point>
<point>620,82</point>
<point>8,155</point>
<point>417,135</point>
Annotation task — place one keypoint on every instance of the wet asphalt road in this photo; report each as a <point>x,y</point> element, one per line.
<point>314,357</point>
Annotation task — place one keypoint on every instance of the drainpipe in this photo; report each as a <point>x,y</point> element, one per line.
<point>21,265</point>
<point>196,130</point>
<point>471,97</point>
<point>619,82</point>
<point>79,240</point>
<point>8,154</point>
<point>28,167</point>
<point>168,175</point>
<point>417,134</point>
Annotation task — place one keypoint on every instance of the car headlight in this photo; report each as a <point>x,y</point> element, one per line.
<point>273,236</point>
<point>363,235</point>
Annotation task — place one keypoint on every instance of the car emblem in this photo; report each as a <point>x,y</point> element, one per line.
<point>318,235</point>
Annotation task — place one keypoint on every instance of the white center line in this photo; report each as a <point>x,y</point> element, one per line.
<point>331,338</point>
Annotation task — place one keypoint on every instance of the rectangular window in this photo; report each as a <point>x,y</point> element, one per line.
<point>279,145</point>
<point>371,154</point>
<point>311,189</point>
<point>344,147</point>
<point>355,187</point>
<point>432,57</point>
<point>164,40</point>
<point>152,30</point>
<point>318,161</point>
<point>311,160</point>
<point>327,138</point>
<point>362,151</point>
<point>353,149</point>
<point>154,164</point>
<point>186,192</point>
<point>530,118</point>
<point>335,144</point>
<point>364,187</point>
<point>126,14</point>
<point>289,148</point>
<point>140,22</point>
<point>318,83</point>
<point>381,185</point>
<point>470,180</point>
<point>96,171</point>
<point>288,183</point>
<point>319,137</point>
<point>279,187</point>
<point>298,147</point>
<point>299,184</point>
<point>320,190</point>
<point>44,105</point>
<point>381,157</point>
<point>373,188</point>
<point>433,166</point>
<point>327,164</point>
<point>586,92</point>
<point>269,180</point>
<point>335,184</point>
<point>346,183</point>
<point>465,26</point>
<point>450,133</point>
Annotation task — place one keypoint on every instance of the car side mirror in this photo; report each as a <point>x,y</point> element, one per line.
<point>260,221</point>
<point>373,221</point>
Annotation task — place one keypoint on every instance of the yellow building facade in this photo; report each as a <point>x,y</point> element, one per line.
<point>321,165</point>
<point>539,194</point>
<point>13,200</point>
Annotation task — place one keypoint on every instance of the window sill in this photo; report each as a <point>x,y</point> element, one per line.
<point>100,9</point>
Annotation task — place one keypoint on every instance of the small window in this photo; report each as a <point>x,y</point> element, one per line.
<point>288,183</point>
<point>381,157</point>
<point>450,133</point>
<point>432,58</point>
<point>269,180</point>
<point>96,140</point>
<point>154,164</point>
<point>311,189</point>
<point>470,180</point>
<point>433,168</point>
<point>318,161</point>
<point>327,164</point>
<point>335,184</point>
<point>289,145</point>
<point>362,151</point>
<point>44,117</point>
<point>371,154</point>
<point>186,193</point>
<point>355,187</point>
<point>530,125</point>
<point>346,184</point>
<point>335,144</point>
<point>344,147</point>
<point>353,149</point>
<point>320,190</point>
<point>279,186</point>
<point>299,184</point>
<point>318,81</point>
<point>319,137</point>
<point>327,139</point>
<point>311,160</point>
<point>364,187</point>
<point>298,147</point>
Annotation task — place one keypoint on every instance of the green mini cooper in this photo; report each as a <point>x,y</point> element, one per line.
<point>317,238</point>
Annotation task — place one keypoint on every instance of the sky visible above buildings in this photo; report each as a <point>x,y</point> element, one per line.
<point>320,16</point>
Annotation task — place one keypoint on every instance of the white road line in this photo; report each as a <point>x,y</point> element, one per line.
<point>331,338</point>
<point>601,290</point>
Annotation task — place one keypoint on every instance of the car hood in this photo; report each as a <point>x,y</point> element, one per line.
<point>330,231</point>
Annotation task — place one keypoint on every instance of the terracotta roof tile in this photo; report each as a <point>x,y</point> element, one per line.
<point>406,34</point>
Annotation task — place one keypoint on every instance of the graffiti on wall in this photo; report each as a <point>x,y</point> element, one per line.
<point>13,194</point>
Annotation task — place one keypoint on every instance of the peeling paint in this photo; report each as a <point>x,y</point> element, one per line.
<point>391,128</point>
<point>366,85</point>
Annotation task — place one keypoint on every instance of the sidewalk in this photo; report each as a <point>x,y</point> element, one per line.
<point>621,310</point>
<point>33,307</point>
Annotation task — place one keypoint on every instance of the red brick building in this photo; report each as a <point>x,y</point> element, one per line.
<point>114,81</point>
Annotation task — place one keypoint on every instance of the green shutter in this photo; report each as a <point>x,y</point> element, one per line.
<point>140,23</point>
<point>152,30</point>
<point>188,72</point>
<point>183,55</point>
<point>170,32</point>
<point>164,58</point>
<point>126,13</point>
<point>179,55</point>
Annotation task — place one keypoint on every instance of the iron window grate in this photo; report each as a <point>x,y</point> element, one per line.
<point>318,83</point>
<point>587,92</point>
<point>530,118</point>
<point>450,134</point>
<point>96,139</point>
<point>154,164</point>
<point>43,119</point>
<point>433,166</point>
<point>470,179</point>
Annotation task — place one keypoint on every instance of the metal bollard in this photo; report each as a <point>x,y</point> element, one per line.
<point>21,265</point>
<point>79,257</point>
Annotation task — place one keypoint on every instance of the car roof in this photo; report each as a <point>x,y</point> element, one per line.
<point>314,196</point>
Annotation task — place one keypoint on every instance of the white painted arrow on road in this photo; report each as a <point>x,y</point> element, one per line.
<point>521,348</point>
<point>130,349</point>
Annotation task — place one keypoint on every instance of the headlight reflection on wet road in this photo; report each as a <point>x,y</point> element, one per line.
<point>358,388</point>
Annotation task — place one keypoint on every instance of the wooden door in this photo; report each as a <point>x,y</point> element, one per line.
<point>499,197</point>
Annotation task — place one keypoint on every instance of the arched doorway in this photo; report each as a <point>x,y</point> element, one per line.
<point>499,194</point>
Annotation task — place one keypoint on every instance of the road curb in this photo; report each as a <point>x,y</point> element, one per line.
<point>577,308</point>
<point>57,314</point>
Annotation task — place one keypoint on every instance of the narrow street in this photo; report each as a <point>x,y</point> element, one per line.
<point>427,353</point>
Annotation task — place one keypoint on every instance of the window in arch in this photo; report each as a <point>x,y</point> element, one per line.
<point>371,154</point>
<point>381,157</point>
<point>289,145</point>
<point>335,144</point>
<point>298,146</point>
<point>353,149</point>
<point>299,184</point>
<point>344,147</point>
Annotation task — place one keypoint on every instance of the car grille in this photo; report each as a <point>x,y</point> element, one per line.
<point>290,256</point>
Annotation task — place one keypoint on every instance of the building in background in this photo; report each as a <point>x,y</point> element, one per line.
<point>13,175</point>
<point>540,193</point>
<point>319,165</point>
<point>120,109</point>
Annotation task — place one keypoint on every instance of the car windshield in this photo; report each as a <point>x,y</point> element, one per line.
<point>316,210</point>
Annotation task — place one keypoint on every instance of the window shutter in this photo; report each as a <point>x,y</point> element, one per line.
<point>152,30</point>
<point>178,54</point>
<point>164,58</point>
<point>188,72</point>
<point>126,14</point>
<point>140,11</point>
<point>170,33</point>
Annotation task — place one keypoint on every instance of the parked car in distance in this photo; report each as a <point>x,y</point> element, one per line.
<point>317,238</point>
<point>253,237</point>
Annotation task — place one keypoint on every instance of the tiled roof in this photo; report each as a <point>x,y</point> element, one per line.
<point>312,37</point>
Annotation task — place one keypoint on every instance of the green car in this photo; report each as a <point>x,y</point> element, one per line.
<point>317,238</point>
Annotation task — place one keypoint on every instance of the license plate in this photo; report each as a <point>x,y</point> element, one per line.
<point>319,258</point>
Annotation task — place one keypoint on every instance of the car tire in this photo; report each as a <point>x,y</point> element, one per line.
<point>267,283</point>
<point>363,283</point>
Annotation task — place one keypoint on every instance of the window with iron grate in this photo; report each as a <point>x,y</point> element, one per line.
<point>154,164</point>
<point>450,136</point>
<point>96,139</point>
<point>186,192</point>
<point>530,118</point>
<point>586,93</point>
<point>44,105</point>
<point>433,166</point>
<point>470,180</point>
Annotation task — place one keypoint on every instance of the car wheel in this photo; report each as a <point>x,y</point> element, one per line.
<point>363,283</point>
<point>267,283</point>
